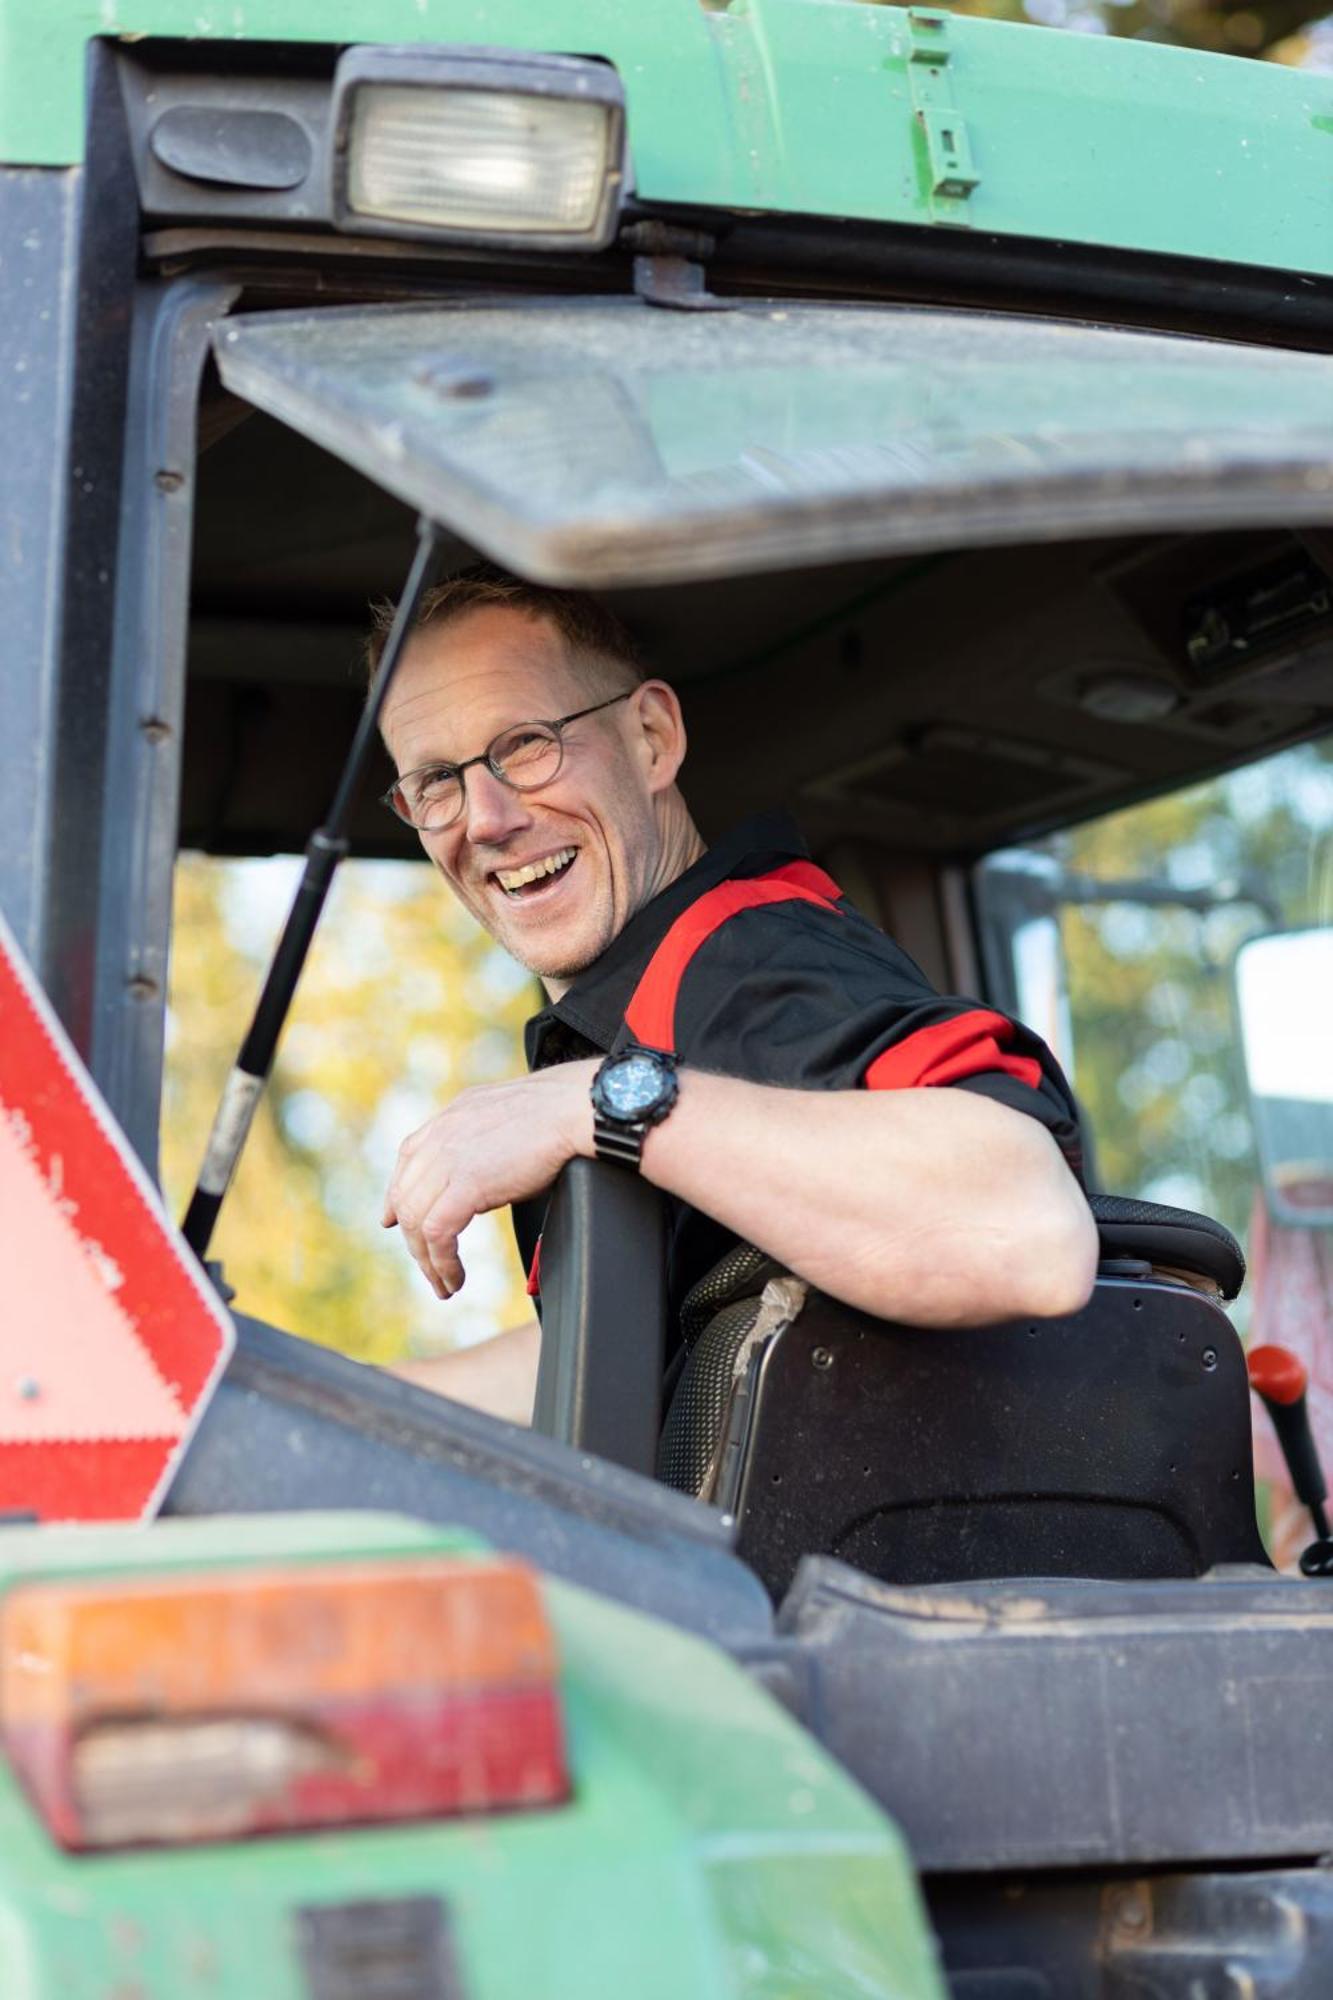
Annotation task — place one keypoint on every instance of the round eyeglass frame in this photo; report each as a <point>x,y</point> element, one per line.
<point>556,723</point>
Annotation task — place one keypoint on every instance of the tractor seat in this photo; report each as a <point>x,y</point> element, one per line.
<point>719,1313</point>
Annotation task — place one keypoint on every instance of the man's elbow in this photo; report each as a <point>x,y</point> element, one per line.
<point>1060,1260</point>
<point>1044,1246</point>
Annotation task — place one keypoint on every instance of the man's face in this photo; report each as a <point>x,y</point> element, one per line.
<point>455,690</point>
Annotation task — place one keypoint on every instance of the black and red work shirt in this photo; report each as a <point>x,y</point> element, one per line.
<point>805,993</point>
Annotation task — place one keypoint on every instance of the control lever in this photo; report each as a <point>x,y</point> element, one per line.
<point>1279,1379</point>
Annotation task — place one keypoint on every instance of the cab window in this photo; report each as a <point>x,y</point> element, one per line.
<point>1117,940</point>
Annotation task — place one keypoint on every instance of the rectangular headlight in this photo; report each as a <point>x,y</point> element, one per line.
<point>478,146</point>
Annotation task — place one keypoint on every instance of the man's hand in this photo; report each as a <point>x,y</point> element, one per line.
<point>495,1144</point>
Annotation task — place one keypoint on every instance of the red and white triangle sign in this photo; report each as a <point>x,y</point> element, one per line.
<point>111,1338</point>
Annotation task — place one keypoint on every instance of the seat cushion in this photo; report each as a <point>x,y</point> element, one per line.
<point>698,1409</point>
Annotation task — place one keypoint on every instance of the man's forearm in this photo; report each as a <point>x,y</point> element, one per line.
<point>938,1207</point>
<point>497,1375</point>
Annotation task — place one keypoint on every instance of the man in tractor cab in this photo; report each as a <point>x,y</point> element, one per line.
<point>718,1018</point>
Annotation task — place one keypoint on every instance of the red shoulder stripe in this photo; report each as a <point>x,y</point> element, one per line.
<point>651,1014</point>
<point>805,875</point>
<point>947,1051</point>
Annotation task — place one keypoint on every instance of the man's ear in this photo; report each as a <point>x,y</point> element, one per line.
<point>663,733</point>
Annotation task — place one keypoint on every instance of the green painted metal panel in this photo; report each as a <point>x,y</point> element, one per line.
<point>711,1848</point>
<point>1092,139</point>
<point>816,107</point>
<point>604,442</point>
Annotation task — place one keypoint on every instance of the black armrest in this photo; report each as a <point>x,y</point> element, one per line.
<point>1162,1235</point>
<point>603,1274</point>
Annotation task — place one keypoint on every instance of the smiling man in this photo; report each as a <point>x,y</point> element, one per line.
<point>907,1152</point>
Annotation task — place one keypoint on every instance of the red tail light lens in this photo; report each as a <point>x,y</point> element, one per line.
<point>209,1706</point>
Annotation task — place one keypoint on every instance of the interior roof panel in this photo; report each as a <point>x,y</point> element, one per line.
<point>812,687</point>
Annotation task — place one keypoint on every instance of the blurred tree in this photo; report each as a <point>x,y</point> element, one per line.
<point>1156,1056</point>
<point>403,1003</point>
<point>1287,31</point>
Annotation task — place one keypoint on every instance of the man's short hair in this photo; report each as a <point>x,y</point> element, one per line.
<point>601,649</point>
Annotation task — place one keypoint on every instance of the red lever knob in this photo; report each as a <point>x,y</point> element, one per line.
<point>1276,1374</point>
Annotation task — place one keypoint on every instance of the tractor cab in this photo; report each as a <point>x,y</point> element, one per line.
<point>686,460</point>
<point>1012,604</point>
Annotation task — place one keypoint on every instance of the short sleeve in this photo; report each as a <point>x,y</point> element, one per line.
<point>816,998</point>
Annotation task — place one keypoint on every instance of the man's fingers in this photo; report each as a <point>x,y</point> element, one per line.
<point>432,1240</point>
<point>400,1185</point>
<point>409,1223</point>
<point>407,1197</point>
<point>492,1145</point>
<point>440,1233</point>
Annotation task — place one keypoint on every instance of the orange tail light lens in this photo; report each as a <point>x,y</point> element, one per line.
<point>209,1706</point>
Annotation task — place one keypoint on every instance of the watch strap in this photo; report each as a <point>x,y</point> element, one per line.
<point>622,1143</point>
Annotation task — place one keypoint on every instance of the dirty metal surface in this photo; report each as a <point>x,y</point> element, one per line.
<point>605,442</point>
<point>1061,1723</point>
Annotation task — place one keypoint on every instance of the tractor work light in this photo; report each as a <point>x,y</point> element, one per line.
<point>478,146</point>
<point>214,1705</point>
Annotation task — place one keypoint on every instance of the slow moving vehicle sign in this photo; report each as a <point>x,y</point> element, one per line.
<point>111,1339</point>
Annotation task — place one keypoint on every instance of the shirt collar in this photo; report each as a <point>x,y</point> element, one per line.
<point>594,1007</point>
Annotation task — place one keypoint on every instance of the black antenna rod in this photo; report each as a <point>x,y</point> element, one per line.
<point>325,849</point>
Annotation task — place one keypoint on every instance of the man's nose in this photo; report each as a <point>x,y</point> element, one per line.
<point>492,811</point>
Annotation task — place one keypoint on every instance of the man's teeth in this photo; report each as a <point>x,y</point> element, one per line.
<point>512,879</point>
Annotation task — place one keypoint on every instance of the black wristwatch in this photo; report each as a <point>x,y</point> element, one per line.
<point>634,1089</point>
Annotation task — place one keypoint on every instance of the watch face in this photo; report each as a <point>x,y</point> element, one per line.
<point>631,1087</point>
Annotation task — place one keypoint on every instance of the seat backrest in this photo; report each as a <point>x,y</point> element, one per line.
<point>1114,1442</point>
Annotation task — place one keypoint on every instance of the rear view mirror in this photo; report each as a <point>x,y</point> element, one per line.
<point>1284,992</point>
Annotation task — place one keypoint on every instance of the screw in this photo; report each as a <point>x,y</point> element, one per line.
<point>1209,1358</point>
<point>167,481</point>
<point>29,1388</point>
<point>155,729</point>
<point>822,1357</point>
<point>140,987</point>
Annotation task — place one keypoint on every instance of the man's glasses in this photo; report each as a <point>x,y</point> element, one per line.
<point>525,758</point>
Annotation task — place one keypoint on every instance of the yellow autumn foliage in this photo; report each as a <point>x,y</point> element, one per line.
<point>403,1002</point>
